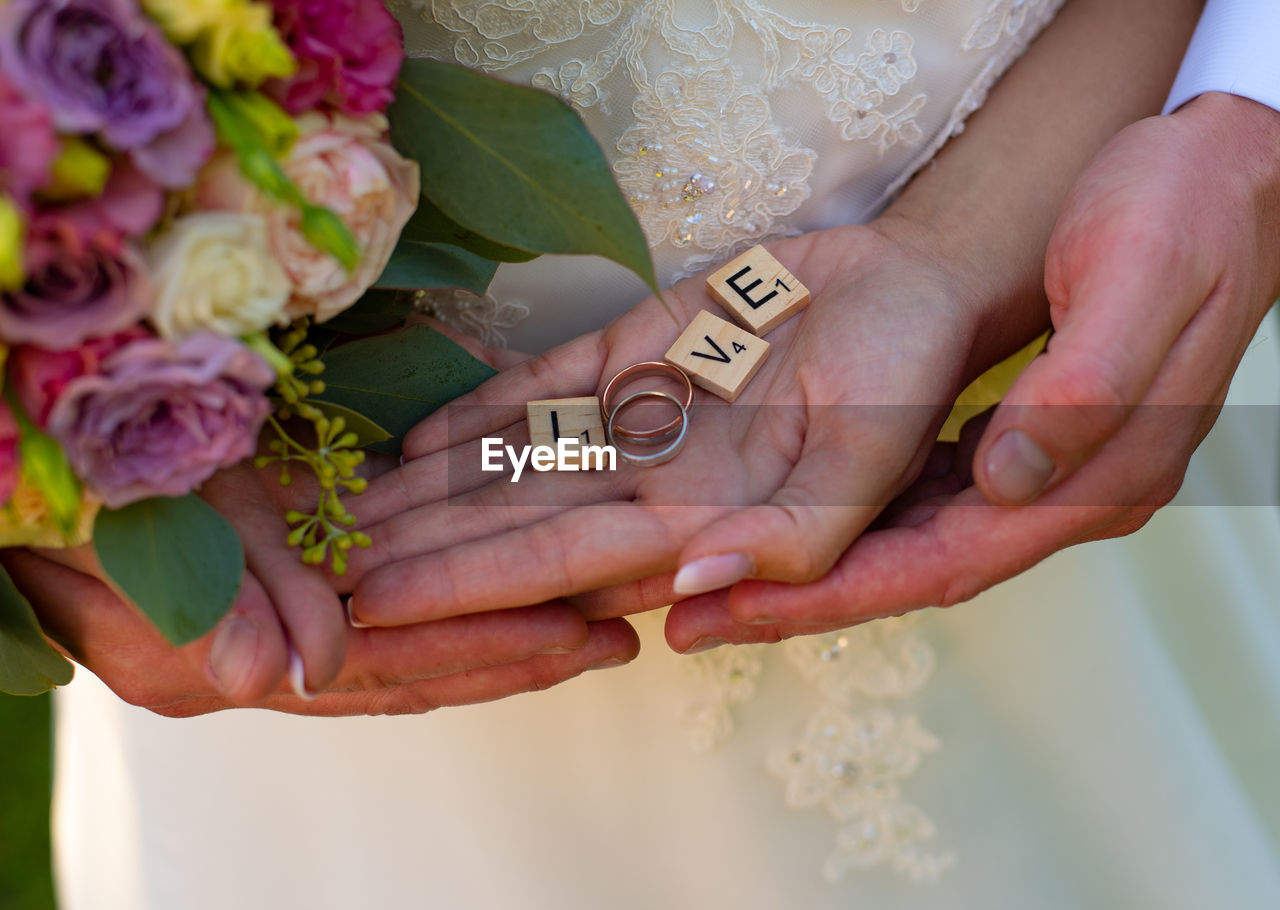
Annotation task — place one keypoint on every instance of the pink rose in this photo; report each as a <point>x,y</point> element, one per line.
<point>348,52</point>
<point>342,164</point>
<point>9,467</point>
<point>81,281</point>
<point>28,145</point>
<point>39,376</point>
<point>160,417</point>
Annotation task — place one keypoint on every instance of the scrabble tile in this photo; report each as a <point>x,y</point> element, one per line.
<point>757,291</point>
<point>718,355</point>
<point>557,418</point>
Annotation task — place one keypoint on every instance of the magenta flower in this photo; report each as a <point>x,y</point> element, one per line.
<point>28,145</point>
<point>160,417</point>
<point>38,377</point>
<point>9,463</point>
<point>348,52</point>
<point>81,281</point>
<point>103,68</point>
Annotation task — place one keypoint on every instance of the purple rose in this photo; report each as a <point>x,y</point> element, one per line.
<point>348,52</point>
<point>81,282</point>
<point>160,417</point>
<point>103,68</point>
<point>27,144</point>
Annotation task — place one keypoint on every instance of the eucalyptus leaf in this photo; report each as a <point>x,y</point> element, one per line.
<point>514,165</point>
<point>377,311</point>
<point>368,432</point>
<point>177,559</point>
<point>29,665</point>
<point>397,380</point>
<point>436,265</point>
<point>430,225</point>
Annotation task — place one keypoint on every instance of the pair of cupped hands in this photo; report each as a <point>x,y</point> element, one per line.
<point>820,499</point>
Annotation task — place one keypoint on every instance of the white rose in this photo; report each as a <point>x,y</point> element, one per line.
<point>215,271</point>
<point>345,165</point>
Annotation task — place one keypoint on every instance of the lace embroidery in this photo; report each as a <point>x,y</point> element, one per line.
<point>482,318</point>
<point>721,678</point>
<point>706,165</point>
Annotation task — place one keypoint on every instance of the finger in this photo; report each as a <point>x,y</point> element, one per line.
<point>704,622</point>
<point>571,370</point>
<point>385,658</point>
<point>497,508</point>
<point>313,618</point>
<point>572,552</point>
<point>244,657</point>
<point>609,644</point>
<point>1115,324</point>
<point>854,461</point>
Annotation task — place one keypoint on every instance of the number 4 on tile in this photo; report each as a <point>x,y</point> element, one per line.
<point>718,355</point>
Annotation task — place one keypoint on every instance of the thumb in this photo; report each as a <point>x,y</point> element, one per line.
<point>1115,326</point>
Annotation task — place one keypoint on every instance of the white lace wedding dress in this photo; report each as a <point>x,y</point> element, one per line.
<point>1102,732</point>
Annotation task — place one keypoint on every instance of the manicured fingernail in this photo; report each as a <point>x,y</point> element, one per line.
<point>234,650</point>
<point>706,643</point>
<point>711,573</point>
<point>1017,468</point>
<point>351,616</point>
<point>298,677</point>
<point>609,663</point>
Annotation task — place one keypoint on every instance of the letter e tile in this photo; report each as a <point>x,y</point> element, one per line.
<point>718,355</point>
<point>757,291</point>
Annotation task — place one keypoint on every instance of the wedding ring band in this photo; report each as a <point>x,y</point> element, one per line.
<point>649,368</point>
<point>662,456</point>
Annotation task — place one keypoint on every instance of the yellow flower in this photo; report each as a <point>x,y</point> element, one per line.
<point>80,170</point>
<point>12,238</point>
<point>27,520</point>
<point>184,20</point>
<point>241,47</point>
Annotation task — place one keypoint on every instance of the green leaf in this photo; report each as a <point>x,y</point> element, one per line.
<point>177,559</point>
<point>377,311</point>
<point>430,225</point>
<point>397,380</point>
<point>436,265</point>
<point>514,165</point>
<point>29,665</point>
<point>368,431</point>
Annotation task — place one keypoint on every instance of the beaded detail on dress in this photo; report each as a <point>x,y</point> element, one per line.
<point>709,161</point>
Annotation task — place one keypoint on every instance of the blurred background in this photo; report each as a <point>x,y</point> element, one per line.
<point>26,781</point>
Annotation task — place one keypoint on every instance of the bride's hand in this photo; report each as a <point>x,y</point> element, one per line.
<point>1164,261</point>
<point>837,422</point>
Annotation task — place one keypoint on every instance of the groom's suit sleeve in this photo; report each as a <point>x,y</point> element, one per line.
<point>1236,49</point>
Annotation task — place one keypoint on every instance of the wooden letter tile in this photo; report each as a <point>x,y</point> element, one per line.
<point>757,291</point>
<point>718,355</point>
<point>566,418</point>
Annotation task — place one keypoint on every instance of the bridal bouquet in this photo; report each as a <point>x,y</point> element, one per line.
<point>208,210</point>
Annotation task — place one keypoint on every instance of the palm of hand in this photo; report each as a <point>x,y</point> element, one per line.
<point>791,472</point>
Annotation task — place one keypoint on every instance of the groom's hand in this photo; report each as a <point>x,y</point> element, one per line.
<point>407,670</point>
<point>1164,261</point>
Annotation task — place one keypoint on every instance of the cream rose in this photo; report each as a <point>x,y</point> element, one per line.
<point>343,164</point>
<point>214,271</point>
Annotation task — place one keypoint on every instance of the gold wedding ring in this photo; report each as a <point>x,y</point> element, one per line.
<point>649,368</point>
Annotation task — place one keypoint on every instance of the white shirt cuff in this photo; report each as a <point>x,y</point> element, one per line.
<point>1236,49</point>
